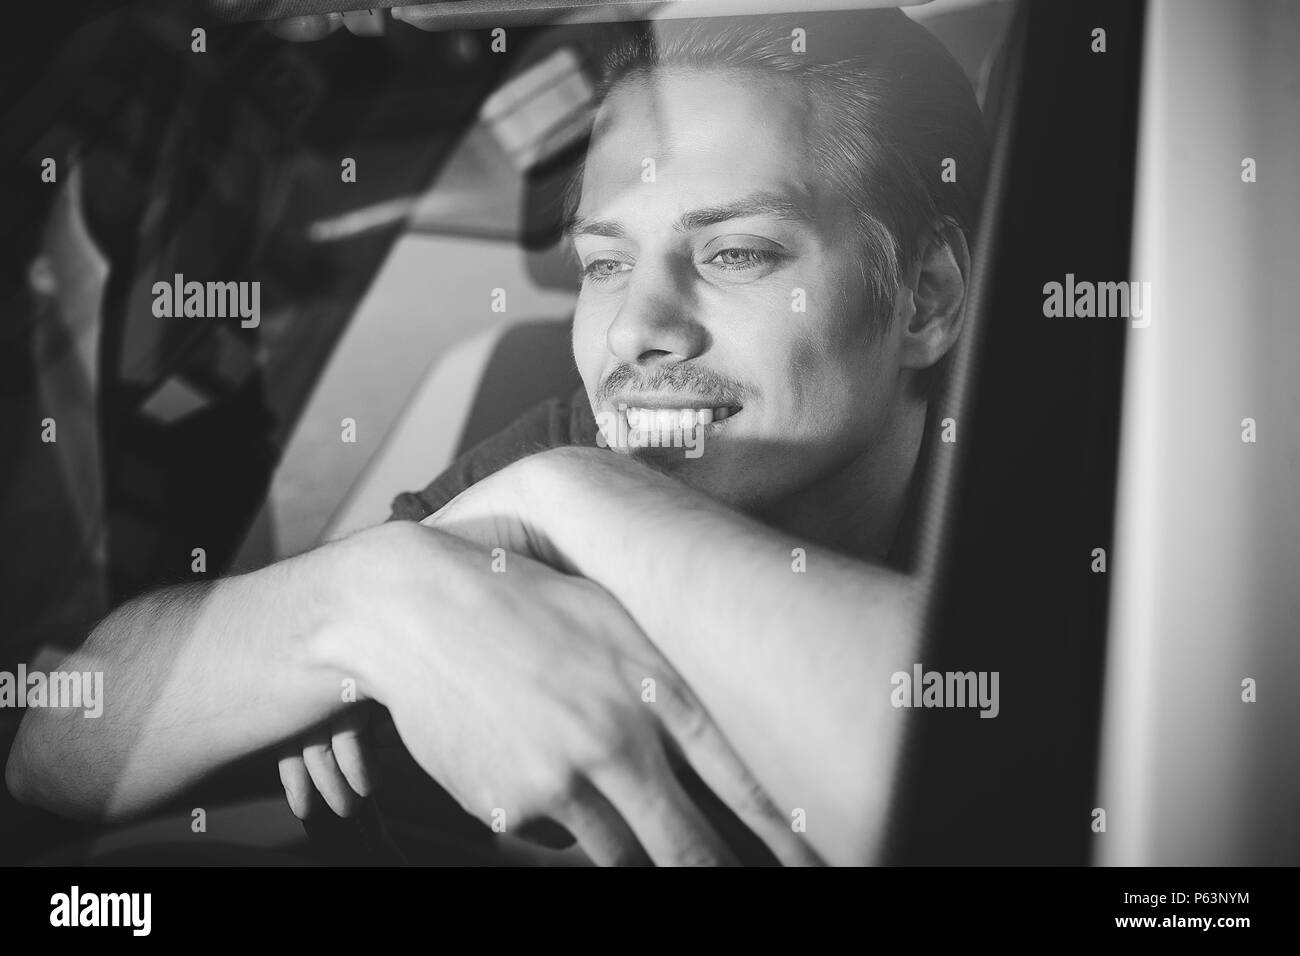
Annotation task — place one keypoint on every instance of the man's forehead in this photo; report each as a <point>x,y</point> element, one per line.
<point>702,150</point>
<point>701,111</point>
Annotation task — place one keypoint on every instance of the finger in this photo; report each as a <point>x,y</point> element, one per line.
<point>297,783</point>
<point>601,831</point>
<point>350,751</point>
<point>328,778</point>
<point>664,819</point>
<point>694,735</point>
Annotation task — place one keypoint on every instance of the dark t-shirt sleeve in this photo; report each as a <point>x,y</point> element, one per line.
<point>551,424</point>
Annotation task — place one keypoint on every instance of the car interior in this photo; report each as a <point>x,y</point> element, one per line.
<point>395,181</point>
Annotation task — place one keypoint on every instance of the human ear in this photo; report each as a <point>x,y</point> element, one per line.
<point>937,285</point>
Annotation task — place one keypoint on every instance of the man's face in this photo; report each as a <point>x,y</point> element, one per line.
<point>722,287</point>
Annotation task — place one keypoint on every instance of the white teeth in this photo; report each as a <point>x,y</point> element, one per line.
<point>647,420</point>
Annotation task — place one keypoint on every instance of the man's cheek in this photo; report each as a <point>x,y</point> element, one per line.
<point>585,323</point>
<point>769,303</point>
<point>587,356</point>
<point>800,363</point>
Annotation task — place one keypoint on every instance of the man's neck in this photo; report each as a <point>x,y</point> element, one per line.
<point>858,509</point>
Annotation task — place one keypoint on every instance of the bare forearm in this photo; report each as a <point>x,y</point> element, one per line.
<point>795,667</point>
<point>193,678</point>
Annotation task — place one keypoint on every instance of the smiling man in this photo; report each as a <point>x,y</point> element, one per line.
<point>745,221</point>
<point>772,261</point>
<point>752,279</point>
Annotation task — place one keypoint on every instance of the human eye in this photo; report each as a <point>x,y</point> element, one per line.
<point>603,269</point>
<point>740,258</point>
<point>743,257</point>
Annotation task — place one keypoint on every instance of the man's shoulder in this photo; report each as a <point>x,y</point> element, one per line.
<point>550,424</point>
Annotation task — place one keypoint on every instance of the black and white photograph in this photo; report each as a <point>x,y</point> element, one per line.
<point>491,434</point>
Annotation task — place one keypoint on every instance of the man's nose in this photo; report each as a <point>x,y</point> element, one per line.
<point>656,321</point>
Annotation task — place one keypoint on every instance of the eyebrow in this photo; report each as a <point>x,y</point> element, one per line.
<point>771,205</point>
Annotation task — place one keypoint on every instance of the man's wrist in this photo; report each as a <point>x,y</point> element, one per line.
<point>550,491</point>
<point>575,502</point>
<point>356,641</point>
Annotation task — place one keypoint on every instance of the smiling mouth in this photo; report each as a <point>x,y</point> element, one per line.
<point>667,419</point>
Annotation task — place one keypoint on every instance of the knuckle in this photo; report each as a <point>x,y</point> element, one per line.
<point>592,734</point>
<point>609,752</point>
<point>683,712</point>
<point>557,791</point>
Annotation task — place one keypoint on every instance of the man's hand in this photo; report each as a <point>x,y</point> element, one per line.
<point>332,759</point>
<point>531,696</point>
<point>795,668</point>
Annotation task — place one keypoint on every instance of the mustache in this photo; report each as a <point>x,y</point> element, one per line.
<point>672,378</point>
